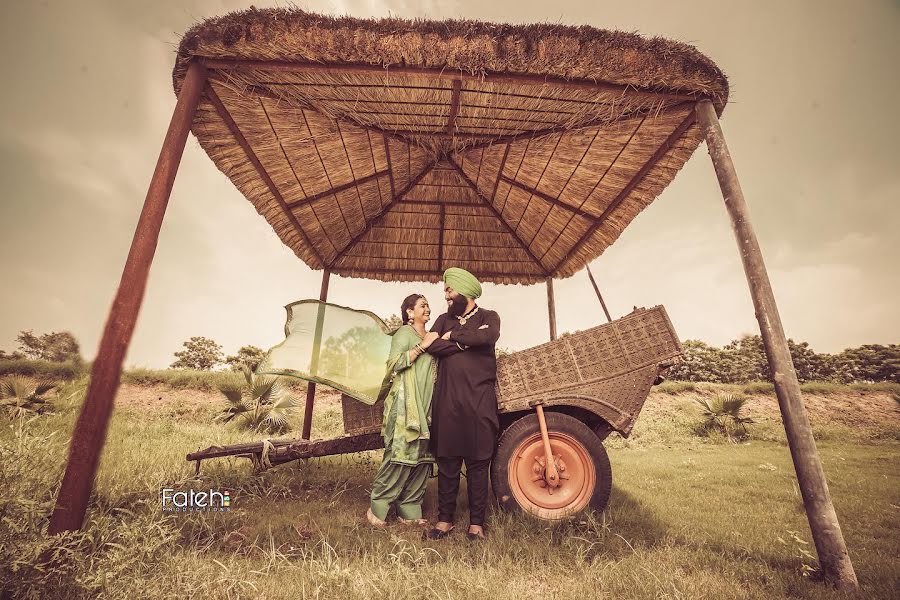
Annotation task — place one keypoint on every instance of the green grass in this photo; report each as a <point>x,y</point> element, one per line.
<point>690,517</point>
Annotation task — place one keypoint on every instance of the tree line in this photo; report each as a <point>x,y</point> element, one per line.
<point>740,361</point>
<point>744,360</point>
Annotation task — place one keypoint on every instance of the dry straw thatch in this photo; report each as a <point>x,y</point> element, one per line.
<point>392,149</point>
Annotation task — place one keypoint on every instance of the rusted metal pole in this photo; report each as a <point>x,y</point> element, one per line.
<point>551,474</point>
<point>89,434</point>
<point>826,531</point>
<point>551,308</point>
<point>599,297</point>
<point>311,386</point>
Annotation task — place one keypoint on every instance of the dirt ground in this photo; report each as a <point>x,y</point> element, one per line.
<point>158,398</point>
<point>854,409</point>
<point>867,410</point>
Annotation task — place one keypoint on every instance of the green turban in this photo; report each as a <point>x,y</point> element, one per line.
<point>463,282</point>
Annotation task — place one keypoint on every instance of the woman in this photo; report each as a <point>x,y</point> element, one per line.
<point>409,382</point>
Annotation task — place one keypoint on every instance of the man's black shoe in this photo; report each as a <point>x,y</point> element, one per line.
<point>474,537</point>
<point>436,534</point>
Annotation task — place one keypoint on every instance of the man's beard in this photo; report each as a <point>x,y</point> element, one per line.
<point>458,306</point>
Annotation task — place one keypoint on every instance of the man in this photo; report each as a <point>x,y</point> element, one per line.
<point>464,413</point>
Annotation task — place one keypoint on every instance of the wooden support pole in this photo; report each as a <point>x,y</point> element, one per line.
<point>596,289</point>
<point>311,386</point>
<point>89,434</point>
<point>551,308</point>
<point>826,531</point>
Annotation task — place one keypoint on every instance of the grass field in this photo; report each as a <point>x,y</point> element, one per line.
<point>690,517</point>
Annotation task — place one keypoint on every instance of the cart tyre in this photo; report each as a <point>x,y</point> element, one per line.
<point>581,459</point>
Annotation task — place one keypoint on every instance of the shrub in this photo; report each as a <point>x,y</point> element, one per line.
<point>724,413</point>
<point>20,397</point>
<point>263,404</point>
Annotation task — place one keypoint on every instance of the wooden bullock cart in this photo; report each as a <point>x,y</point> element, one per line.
<point>590,383</point>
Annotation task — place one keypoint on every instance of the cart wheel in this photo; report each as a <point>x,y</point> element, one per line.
<point>517,472</point>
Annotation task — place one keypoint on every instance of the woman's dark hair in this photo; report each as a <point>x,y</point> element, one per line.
<point>409,303</point>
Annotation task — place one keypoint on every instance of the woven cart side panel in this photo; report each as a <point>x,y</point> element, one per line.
<point>547,367</point>
<point>598,352</point>
<point>628,393</point>
<point>510,383</point>
<point>646,337</point>
<point>360,417</point>
<point>636,340</point>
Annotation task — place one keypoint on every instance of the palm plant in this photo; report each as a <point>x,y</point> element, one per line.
<point>264,404</point>
<point>20,397</point>
<point>725,414</point>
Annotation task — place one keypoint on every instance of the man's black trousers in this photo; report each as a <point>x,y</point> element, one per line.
<point>448,487</point>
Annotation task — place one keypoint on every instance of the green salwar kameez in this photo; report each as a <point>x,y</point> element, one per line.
<point>403,475</point>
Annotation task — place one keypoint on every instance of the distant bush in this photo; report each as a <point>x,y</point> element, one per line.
<point>56,346</point>
<point>744,361</point>
<point>247,356</point>
<point>675,387</point>
<point>199,354</point>
<point>44,369</point>
<point>761,387</point>
<point>209,381</point>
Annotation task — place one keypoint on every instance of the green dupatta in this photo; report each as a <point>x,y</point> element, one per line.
<point>407,390</point>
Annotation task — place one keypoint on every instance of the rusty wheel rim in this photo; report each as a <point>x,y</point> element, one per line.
<point>578,476</point>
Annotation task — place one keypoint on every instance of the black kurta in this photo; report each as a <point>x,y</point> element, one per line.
<point>464,405</point>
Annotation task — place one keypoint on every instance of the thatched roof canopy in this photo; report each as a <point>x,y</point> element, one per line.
<point>392,149</point>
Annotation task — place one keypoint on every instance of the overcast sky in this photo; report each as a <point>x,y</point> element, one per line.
<point>812,125</point>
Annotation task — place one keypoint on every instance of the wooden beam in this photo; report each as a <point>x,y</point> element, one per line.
<point>597,290</point>
<point>286,450</point>
<point>638,114</point>
<point>651,162</point>
<point>441,240</point>
<point>823,522</point>
<point>551,308</point>
<point>260,170</point>
<point>89,435</point>
<point>306,105</point>
<point>435,244</point>
<point>336,190</point>
<point>390,167</point>
<point>492,261</point>
<point>454,106</point>
<point>441,203</point>
<point>377,218</point>
<point>436,275</point>
<point>441,133</point>
<point>354,101</point>
<point>466,230</point>
<point>549,198</point>
<point>317,338</point>
<point>226,64</point>
<point>506,226</point>
<point>386,113</point>
<point>500,174</point>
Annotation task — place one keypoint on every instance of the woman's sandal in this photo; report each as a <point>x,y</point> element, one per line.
<point>375,521</point>
<point>410,522</point>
